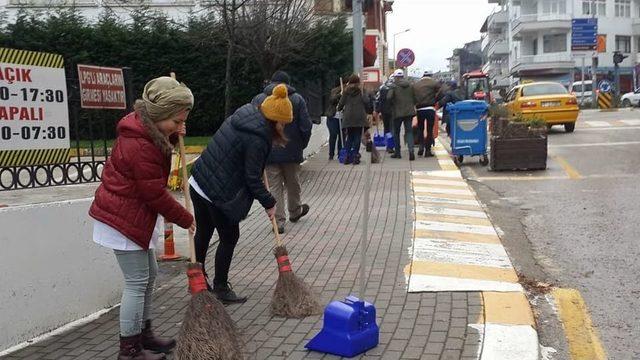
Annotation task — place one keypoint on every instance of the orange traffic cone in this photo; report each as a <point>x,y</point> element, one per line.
<point>169,245</point>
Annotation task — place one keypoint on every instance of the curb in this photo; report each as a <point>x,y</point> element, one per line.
<point>457,248</point>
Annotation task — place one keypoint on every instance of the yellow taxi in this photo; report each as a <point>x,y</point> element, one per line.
<point>547,100</point>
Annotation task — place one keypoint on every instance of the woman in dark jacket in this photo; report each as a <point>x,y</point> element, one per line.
<point>129,201</point>
<point>333,120</point>
<point>229,176</point>
<point>355,105</point>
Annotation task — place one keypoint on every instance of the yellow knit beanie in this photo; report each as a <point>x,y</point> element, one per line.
<point>277,107</point>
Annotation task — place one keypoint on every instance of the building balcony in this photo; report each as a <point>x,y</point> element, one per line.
<point>536,22</point>
<point>546,63</point>
<point>497,19</point>
<point>498,48</point>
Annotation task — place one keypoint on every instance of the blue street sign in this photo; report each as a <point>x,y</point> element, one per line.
<point>584,34</point>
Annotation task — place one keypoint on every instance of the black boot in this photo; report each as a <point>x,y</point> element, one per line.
<point>131,349</point>
<point>154,343</point>
<point>226,295</point>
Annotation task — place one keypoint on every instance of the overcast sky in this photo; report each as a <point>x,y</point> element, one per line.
<point>437,27</point>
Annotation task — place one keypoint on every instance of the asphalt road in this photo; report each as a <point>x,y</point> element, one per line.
<point>576,225</point>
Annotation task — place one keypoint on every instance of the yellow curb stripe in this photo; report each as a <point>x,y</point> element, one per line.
<point>454,219</point>
<point>507,308</point>
<point>581,335</point>
<point>461,271</point>
<point>462,237</point>
<point>570,170</point>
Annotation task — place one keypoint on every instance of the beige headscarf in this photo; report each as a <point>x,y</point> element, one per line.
<point>164,97</point>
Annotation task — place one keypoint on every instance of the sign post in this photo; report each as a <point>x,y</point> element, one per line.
<point>584,37</point>
<point>405,58</point>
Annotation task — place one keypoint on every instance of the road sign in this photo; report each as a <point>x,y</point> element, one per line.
<point>604,86</point>
<point>371,75</point>
<point>34,114</point>
<point>584,34</point>
<point>101,87</point>
<point>405,58</point>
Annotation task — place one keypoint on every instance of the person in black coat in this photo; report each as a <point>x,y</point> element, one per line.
<point>452,94</point>
<point>228,177</point>
<point>283,165</point>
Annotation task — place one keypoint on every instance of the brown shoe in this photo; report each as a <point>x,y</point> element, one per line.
<point>304,210</point>
<point>151,342</point>
<point>131,349</point>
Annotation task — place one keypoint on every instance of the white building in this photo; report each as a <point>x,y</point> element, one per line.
<point>538,38</point>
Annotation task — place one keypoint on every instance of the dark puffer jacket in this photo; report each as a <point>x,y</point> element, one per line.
<point>134,184</point>
<point>355,105</point>
<point>402,99</point>
<point>230,169</point>
<point>298,132</point>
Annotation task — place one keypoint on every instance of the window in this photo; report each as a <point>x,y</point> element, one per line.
<point>323,5</point>
<point>554,7</point>
<point>543,89</point>
<point>623,8</point>
<point>594,7</point>
<point>554,43</point>
<point>623,44</point>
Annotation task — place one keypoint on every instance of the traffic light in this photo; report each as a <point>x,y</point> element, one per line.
<point>618,57</point>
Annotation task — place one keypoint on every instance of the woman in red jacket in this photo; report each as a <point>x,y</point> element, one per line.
<point>132,199</point>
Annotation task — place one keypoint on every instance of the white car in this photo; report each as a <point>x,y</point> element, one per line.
<point>631,98</point>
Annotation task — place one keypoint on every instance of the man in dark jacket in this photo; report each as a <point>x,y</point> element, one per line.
<point>283,165</point>
<point>427,91</point>
<point>403,102</point>
<point>383,108</point>
<point>452,94</point>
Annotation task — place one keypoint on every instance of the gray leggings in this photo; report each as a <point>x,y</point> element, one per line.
<point>139,268</point>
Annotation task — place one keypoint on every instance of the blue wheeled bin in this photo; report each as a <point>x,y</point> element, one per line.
<point>469,130</point>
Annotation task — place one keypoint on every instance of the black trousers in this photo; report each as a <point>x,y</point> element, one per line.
<point>208,219</point>
<point>430,117</point>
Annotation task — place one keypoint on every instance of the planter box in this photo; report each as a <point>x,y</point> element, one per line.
<point>527,153</point>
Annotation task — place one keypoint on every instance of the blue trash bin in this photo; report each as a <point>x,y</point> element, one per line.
<point>469,130</point>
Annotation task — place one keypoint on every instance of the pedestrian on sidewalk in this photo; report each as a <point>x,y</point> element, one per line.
<point>227,178</point>
<point>452,94</point>
<point>333,120</point>
<point>283,164</point>
<point>356,104</point>
<point>132,199</point>
<point>384,110</point>
<point>427,91</point>
<point>403,102</point>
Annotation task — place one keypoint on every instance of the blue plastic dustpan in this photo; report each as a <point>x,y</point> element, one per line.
<point>349,328</point>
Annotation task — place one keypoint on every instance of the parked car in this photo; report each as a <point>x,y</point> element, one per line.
<point>584,99</point>
<point>548,100</point>
<point>631,98</point>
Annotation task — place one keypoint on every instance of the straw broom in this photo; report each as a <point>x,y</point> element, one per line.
<point>292,298</point>
<point>207,331</point>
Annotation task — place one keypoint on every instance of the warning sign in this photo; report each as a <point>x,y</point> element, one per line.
<point>33,101</point>
<point>101,87</point>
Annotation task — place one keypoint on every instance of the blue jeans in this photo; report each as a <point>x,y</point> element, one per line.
<point>408,133</point>
<point>334,133</point>
<point>139,268</point>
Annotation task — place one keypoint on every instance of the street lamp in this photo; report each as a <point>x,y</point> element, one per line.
<point>394,44</point>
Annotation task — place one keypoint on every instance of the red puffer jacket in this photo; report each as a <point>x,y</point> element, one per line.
<point>133,189</point>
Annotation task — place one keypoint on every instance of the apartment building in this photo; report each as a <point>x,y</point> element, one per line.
<point>538,37</point>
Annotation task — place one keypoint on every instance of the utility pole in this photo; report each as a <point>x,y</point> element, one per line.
<point>594,66</point>
<point>358,41</point>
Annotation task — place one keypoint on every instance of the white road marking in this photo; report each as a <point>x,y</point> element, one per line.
<point>440,182</point>
<point>430,283</point>
<point>598,123</point>
<point>620,143</point>
<point>435,190</point>
<point>439,210</point>
<point>455,252</point>
<point>451,227</point>
<point>634,122</point>
<point>507,342</point>
<point>439,173</point>
<point>430,199</point>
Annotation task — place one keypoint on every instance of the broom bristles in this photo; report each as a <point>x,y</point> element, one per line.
<point>292,298</point>
<point>207,331</point>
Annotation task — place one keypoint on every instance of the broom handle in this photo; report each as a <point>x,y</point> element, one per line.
<point>274,224</point>
<point>185,189</point>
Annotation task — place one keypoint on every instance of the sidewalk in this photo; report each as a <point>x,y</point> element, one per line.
<point>323,249</point>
